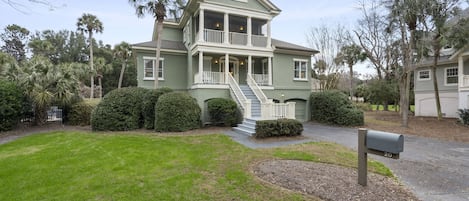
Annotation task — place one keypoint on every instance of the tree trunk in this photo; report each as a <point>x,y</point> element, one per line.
<point>385,106</point>
<point>91,64</point>
<point>121,77</point>
<point>159,30</point>
<point>100,87</point>
<point>435,82</point>
<point>351,81</point>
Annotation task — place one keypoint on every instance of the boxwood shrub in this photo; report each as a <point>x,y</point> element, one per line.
<point>149,102</point>
<point>178,112</point>
<point>278,128</point>
<point>80,113</point>
<point>11,104</point>
<point>223,111</point>
<point>334,107</point>
<point>120,110</point>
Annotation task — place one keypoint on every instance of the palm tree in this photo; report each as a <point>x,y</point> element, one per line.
<point>89,23</point>
<point>157,8</point>
<point>350,55</point>
<point>101,68</point>
<point>123,52</point>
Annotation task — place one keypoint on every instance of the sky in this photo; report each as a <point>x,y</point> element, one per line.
<point>121,24</point>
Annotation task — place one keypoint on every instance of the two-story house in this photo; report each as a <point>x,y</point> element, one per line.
<point>224,48</point>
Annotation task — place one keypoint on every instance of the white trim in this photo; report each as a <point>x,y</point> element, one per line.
<point>446,76</point>
<point>210,86</point>
<point>306,70</point>
<point>221,8</point>
<point>424,79</point>
<point>161,67</point>
<point>267,87</point>
<point>244,1</point>
<point>233,51</point>
<point>163,50</point>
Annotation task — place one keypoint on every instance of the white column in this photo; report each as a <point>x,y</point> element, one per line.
<point>249,65</point>
<point>269,34</point>
<point>269,61</point>
<point>226,28</point>
<point>227,67</point>
<point>461,71</point>
<point>201,25</point>
<point>201,66</point>
<point>249,30</point>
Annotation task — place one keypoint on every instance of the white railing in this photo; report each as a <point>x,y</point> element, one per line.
<point>213,36</point>
<point>259,41</point>
<point>256,89</point>
<point>465,81</point>
<point>209,77</point>
<point>272,110</point>
<point>238,38</point>
<point>261,79</point>
<point>241,99</point>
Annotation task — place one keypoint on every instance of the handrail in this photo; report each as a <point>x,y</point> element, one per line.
<point>236,90</point>
<point>256,89</point>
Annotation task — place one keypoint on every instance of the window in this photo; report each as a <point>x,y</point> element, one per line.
<point>424,75</point>
<point>451,76</point>
<point>149,65</point>
<point>300,69</point>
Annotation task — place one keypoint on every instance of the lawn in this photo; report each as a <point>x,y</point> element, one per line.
<point>110,166</point>
<point>390,107</point>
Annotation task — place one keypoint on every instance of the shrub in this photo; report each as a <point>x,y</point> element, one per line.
<point>223,111</point>
<point>80,113</point>
<point>334,107</point>
<point>277,128</point>
<point>178,112</point>
<point>120,110</point>
<point>11,104</point>
<point>149,102</point>
<point>464,116</point>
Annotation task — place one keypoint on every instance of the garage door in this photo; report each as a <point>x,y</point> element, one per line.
<point>300,109</point>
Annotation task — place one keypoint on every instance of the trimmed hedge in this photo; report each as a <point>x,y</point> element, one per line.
<point>80,113</point>
<point>149,101</point>
<point>277,128</point>
<point>464,116</point>
<point>178,112</point>
<point>120,110</point>
<point>11,105</point>
<point>223,111</point>
<point>334,107</point>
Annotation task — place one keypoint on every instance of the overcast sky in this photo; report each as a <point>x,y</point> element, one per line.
<point>121,24</point>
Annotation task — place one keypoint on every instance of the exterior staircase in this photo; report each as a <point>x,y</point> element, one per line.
<point>248,127</point>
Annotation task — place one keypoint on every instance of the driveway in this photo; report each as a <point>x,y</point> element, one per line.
<point>432,169</point>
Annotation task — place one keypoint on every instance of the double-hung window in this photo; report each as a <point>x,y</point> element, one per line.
<point>451,76</point>
<point>300,70</point>
<point>149,66</point>
<point>424,75</point>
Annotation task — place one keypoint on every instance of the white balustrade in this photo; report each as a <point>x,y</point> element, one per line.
<point>241,99</point>
<point>261,79</point>
<point>465,81</point>
<point>259,41</point>
<point>238,38</point>
<point>213,36</point>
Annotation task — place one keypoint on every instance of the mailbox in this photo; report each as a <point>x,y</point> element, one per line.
<point>384,141</point>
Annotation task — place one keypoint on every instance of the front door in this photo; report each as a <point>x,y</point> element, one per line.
<point>233,67</point>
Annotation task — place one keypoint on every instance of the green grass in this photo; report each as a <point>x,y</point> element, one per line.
<point>391,107</point>
<point>107,166</point>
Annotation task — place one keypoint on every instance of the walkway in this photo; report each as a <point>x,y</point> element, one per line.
<point>432,169</point>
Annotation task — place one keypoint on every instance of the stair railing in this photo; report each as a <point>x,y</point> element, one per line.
<point>241,99</point>
<point>256,89</point>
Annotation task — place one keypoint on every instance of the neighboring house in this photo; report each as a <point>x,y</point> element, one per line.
<point>223,48</point>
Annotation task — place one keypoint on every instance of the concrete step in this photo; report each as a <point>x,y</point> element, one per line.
<point>248,127</point>
<point>244,131</point>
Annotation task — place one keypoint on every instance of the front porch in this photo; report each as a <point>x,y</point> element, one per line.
<point>214,69</point>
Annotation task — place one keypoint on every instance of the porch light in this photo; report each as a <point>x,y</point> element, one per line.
<point>242,63</point>
<point>217,25</point>
<point>216,61</point>
<point>241,28</point>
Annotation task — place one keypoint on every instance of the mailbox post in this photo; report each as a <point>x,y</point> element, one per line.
<point>379,143</point>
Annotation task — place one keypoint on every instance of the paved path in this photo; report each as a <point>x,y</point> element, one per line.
<point>432,169</point>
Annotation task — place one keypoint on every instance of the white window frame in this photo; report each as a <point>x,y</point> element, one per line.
<point>446,76</point>
<point>153,70</point>
<point>300,70</point>
<point>424,79</point>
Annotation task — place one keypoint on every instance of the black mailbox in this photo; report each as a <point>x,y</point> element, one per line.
<point>384,141</point>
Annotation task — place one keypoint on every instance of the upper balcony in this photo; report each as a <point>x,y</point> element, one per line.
<point>223,28</point>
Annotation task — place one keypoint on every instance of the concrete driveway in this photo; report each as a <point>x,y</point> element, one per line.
<point>432,169</point>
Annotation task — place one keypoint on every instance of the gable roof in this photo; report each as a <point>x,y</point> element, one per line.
<point>278,44</point>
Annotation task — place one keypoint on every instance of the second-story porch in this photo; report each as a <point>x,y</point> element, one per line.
<point>227,28</point>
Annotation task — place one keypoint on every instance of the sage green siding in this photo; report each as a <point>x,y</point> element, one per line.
<point>169,33</point>
<point>203,95</point>
<point>250,4</point>
<point>283,72</point>
<point>425,86</point>
<point>174,71</point>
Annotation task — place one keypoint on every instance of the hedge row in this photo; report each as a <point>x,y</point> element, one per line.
<point>80,113</point>
<point>149,101</point>
<point>334,107</point>
<point>11,104</point>
<point>178,112</point>
<point>277,128</point>
<point>223,111</point>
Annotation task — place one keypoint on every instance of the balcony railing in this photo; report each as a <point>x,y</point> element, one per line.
<point>259,41</point>
<point>238,38</point>
<point>261,79</point>
<point>209,77</point>
<point>213,36</point>
<point>217,36</point>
